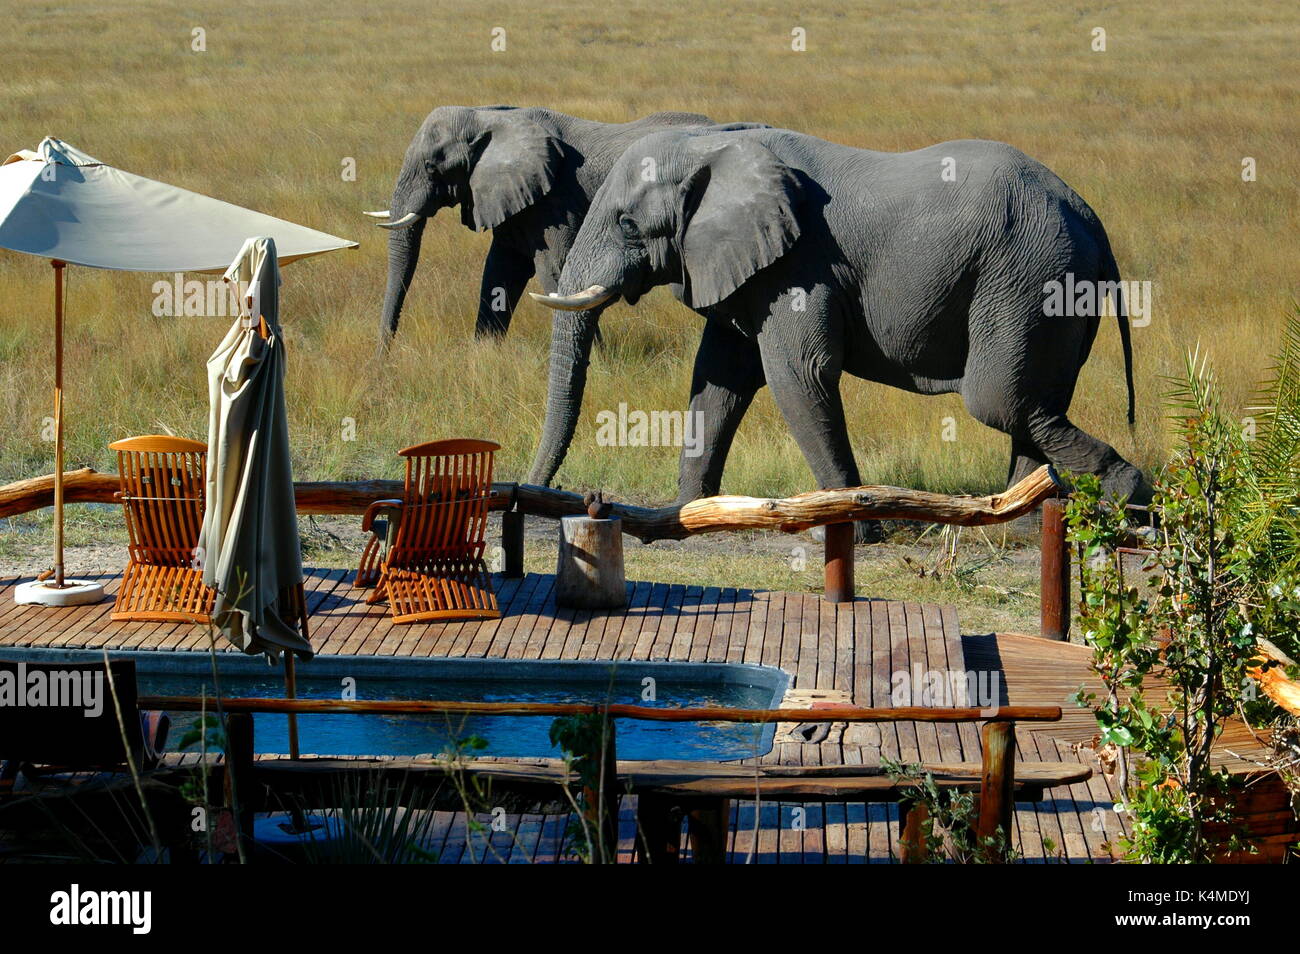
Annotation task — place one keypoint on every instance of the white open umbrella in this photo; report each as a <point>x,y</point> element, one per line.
<point>63,205</point>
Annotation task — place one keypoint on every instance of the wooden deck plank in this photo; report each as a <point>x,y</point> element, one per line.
<point>925,630</point>
<point>521,599</point>
<point>971,747</point>
<point>619,641</point>
<point>879,668</point>
<point>649,628</point>
<point>667,626</point>
<point>724,617</point>
<point>706,622</point>
<point>529,616</point>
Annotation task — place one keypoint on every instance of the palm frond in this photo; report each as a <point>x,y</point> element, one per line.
<point>1275,452</point>
<point>1273,473</point>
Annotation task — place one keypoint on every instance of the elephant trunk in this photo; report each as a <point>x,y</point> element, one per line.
<point>572,334</point>
<point>403,254</point>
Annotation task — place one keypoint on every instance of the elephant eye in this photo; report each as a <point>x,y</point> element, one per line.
<point>628,228</point>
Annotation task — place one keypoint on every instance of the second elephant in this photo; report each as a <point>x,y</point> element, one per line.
<point>528,174</point>
<point>809,259</point>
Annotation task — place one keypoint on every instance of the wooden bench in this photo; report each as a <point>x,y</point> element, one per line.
<point>704,795</point>
<point>700,791</point>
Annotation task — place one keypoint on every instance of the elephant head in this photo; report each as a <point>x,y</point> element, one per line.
<point>492,161</point>
<point>700,211</point>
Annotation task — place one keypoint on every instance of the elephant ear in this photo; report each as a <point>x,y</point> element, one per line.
<point>737,216</point>
<point>515,163</point>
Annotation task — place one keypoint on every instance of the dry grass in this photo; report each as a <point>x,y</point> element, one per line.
<point>1151,133</point>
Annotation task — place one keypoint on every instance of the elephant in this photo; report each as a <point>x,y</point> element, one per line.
<point>922,270</point>
<point>527,174</point>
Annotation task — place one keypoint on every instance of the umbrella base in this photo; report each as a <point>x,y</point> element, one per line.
<point>72,593</point>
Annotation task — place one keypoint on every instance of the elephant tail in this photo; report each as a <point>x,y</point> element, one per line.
<point>1110,273</point>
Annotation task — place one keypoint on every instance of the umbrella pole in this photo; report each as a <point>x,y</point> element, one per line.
<point>291,692</point>
<point>58,422</point>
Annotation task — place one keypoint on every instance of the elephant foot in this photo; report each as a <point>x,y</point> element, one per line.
<point>864,531</point>
<point>1134,486</point>
<point>1126,482</point>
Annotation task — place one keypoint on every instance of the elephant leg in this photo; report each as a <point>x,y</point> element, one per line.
<point>806,387</point>
<point>1025,459</point>
<point>1028,365</point>
<point>1041,432</point>
<point>728,373</point>
<point>1073,449</point>
<point>505,276</point>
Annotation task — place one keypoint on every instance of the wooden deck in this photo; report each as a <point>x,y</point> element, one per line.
<point>845,652</point>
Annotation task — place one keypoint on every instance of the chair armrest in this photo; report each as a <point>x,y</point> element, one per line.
<point>375,509</point>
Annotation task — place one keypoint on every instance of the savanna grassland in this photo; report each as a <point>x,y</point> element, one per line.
<point>1152,132</point>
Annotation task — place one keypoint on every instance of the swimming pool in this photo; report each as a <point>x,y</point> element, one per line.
<point>666,684</point>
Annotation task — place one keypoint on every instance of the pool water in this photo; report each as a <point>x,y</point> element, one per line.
<point>674,685</point>
<point>508,736</point>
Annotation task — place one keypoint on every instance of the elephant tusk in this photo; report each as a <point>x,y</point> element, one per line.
<point>588,298</point>
<point>379,215</point>
<point>404,222</point>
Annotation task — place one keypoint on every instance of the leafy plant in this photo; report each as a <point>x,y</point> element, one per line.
<point>372,821</point>
<point>584,741</point>
<point>949,822</point>
<point>1174,655</point>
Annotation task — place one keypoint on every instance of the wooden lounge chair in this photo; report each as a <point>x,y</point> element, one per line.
<point>426,558</point>
<point>162,488</point>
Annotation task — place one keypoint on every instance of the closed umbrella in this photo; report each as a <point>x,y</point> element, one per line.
<point>249,540</point>
<point>66,206</point>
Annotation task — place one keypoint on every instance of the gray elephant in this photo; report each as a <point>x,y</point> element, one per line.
<point>528,174</point>
<point>923,270</point>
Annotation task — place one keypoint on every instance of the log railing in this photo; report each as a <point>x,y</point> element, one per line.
<point>834,509</point>
<point>706,515</point>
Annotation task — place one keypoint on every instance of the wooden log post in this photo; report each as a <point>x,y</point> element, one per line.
<point>997,781</point>
<point>512,544</point>
<point>912,818</point>
<point>659,829</point>
<point>839,563</point>
<point>239,789</point>
<point>1054,581</point>
<point>589,568</point>
<point>707,827</point>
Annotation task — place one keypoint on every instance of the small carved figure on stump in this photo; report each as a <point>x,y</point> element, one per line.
<point>598,508</point>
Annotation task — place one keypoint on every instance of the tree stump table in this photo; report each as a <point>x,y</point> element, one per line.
<point>589,569</point>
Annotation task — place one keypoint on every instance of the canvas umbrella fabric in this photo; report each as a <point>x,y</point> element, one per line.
<point>249,540</point>
<point>68,207</point>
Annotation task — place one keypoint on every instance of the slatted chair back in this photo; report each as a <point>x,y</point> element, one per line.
<point>435,567</point>
<point>162,482</point>
<point>445,502</point>
<point>162,487</point>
